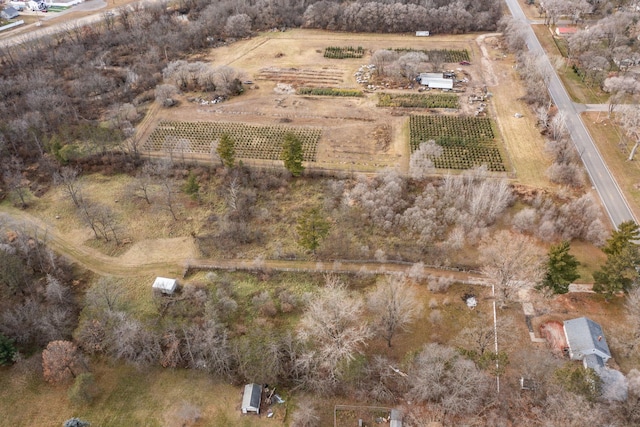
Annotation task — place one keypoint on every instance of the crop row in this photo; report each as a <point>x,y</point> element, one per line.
<point>440,55</point>
<point>419,100</point>
<point>336,52</point>
<point>329,91</point>
<point>250,141</point>
<point>467,142</point>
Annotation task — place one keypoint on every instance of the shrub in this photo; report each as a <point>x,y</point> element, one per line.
<point>84,389</point>
<point>7,351</point>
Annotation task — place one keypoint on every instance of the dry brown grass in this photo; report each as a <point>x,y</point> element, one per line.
<point>615,148</point>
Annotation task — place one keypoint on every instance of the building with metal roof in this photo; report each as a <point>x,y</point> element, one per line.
<point>251,398</point>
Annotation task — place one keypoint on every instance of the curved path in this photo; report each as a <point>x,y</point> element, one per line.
<point>177,263</point>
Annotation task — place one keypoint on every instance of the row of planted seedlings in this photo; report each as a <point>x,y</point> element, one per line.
<point>466,142</point>
<point>250,141</point>
<point>344,52</point>
<point>441,55</point>
<point>329,91</point>
<point>418,100</point>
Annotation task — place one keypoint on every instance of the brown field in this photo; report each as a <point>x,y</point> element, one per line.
<point>356,135</point>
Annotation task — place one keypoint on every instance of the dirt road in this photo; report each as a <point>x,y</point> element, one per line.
<point>177,261</point>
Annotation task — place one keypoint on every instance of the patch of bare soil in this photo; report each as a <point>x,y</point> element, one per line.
<point>553,332</point>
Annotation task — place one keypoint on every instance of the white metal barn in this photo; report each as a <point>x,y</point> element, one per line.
<point>251,398</point>
<point>165,285</point>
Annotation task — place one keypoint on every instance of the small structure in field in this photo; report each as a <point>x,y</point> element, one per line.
<point>586,342</point>
<point>565,31</point>
<point>165,286</point>
<point>396,418</point>
<point>435,81</point>
<point>251,398</point>
<point>422,34</point>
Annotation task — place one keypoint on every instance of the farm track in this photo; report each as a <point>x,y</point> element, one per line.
<point>99,263</point>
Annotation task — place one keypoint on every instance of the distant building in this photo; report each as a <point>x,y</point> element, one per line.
<point>422,33</point>
<point>165,286</point>
<point>566,31</point>
<point>435,81</point>
<point>251,398</point>
<point>9,13</point>
<point>586,342</point>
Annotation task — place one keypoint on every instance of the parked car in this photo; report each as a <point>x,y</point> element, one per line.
<point>465,63</point>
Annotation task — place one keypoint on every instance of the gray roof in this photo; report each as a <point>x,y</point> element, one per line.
<point>585,337</point>
<point>594,362</point>
<point>10,12</point>
<point>251,398</point>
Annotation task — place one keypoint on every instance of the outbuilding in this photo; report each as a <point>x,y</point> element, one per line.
<point>396,418</point>
<point>9,13</point>
<point>165,285</point>
<point>251,398</point>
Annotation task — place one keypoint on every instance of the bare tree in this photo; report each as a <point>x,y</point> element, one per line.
<point>421,160</point>
<point>333,326</point>
<point>61,361</point>
<point>238,25</point>
<point>511,262</point>
<point>395,306</point>
<point>440,375</point>
<point>67,178</point>
<point>15,181</point>
<point>305,415</point>
<point>620,87</point>
<point>629,117</point>
<point>133,342</point>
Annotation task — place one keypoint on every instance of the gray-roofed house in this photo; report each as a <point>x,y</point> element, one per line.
<point>251,398</point>
<point>9,13</point>
<point>165,285</point>
<point>586,342</point>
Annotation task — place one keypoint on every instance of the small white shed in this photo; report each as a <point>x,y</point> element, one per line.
<point>440,83</point>
<point>165,285</point>
<point>251,398</point>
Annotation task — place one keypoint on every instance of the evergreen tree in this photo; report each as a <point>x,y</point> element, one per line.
<point>227,150</point>
<point>292,154</point>
<point>192,187</point>
<point>312,229</point>
<point>620,272</point>
<point>562,268</point>
<point>7,351</point>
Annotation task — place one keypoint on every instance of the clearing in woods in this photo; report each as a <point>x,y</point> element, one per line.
<point>355,134</point>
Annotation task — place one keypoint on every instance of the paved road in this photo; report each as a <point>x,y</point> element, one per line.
<point>612,198</point>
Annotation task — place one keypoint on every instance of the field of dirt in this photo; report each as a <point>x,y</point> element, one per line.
<point>356,135</point>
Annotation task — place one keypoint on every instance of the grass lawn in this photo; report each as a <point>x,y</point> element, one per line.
<point>615,149</point>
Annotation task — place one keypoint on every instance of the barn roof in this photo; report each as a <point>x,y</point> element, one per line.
<point>585,337</point>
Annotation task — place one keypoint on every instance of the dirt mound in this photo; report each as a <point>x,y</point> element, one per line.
<point>553,332</point>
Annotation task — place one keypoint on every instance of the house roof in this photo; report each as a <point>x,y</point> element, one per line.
<point>251,398</point>
<point>566,30</point>
<point>585,337</point>
<point>10,12</point>
<point>165,284</point>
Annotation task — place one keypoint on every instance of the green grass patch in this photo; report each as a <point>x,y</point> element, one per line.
<point>467,142</point>
<point>329,91</point>
<point>439,55</point>
<point>348,52</point>
<point>417,100</point>
<point>250,141</point>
